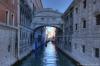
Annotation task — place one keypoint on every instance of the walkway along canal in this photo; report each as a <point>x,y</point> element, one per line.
<point>47,56</point>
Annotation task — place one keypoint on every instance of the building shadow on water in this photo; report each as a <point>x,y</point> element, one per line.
<point>47,56</point>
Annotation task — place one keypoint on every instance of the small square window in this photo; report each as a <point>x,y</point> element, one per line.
<point>42,18</point>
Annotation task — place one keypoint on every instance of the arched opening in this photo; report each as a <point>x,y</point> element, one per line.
<point>50,34</point>
<point>44,34</point>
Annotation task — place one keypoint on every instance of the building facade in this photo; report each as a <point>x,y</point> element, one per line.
<point>85,47</point>
<point>59,38</point>
<point>86,37</point>
<point>15,20</point>
<point>68,27</point>
<point>38,4</point>
<point>8,32</point>
<point>26,11</point>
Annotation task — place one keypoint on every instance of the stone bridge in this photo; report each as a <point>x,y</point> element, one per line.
<point>47,17</point>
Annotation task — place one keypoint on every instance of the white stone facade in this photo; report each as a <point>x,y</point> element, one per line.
<point>8,38</point>
<point>24,29</point>
<point>86,38</point>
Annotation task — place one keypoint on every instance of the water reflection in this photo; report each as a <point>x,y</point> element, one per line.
<point>48,56</point>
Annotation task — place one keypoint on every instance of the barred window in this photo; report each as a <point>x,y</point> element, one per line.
<point>97,52</point>
<point>75,26</point>
<point>98,19</point>
<point>84,3</point>
<point>84,23</point>
<point>77,10</point>
<point>83,48</point>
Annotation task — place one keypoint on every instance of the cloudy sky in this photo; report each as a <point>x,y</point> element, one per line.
<point>60,5</point>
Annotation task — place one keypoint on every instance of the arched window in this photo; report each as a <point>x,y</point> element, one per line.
<point>7,17</point>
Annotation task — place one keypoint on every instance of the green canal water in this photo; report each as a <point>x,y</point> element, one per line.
<point>47,56</point>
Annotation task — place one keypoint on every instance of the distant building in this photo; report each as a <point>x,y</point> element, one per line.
<point>8,32</point>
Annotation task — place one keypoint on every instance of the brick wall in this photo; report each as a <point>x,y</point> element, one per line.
<point>8,5</point>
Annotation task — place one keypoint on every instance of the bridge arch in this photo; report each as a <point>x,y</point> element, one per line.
<point>47,17</point>
<point>43,18</point>
<point>41,26</point>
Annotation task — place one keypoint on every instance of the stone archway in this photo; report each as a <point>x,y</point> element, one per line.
<point>45,17</point>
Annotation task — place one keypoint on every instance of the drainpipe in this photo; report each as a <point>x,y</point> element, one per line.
<point>18,17</point>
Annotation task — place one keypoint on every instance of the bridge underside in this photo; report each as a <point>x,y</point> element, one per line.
<point>36,26</point>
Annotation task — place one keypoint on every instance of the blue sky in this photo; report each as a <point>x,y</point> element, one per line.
<point>60,5</point>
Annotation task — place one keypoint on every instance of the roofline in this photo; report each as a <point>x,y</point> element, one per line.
<point>48,11</point>
<point>68,9</point>
<point>41,4</point>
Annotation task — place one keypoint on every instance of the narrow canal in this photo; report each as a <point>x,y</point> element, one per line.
<point>47,56</point>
